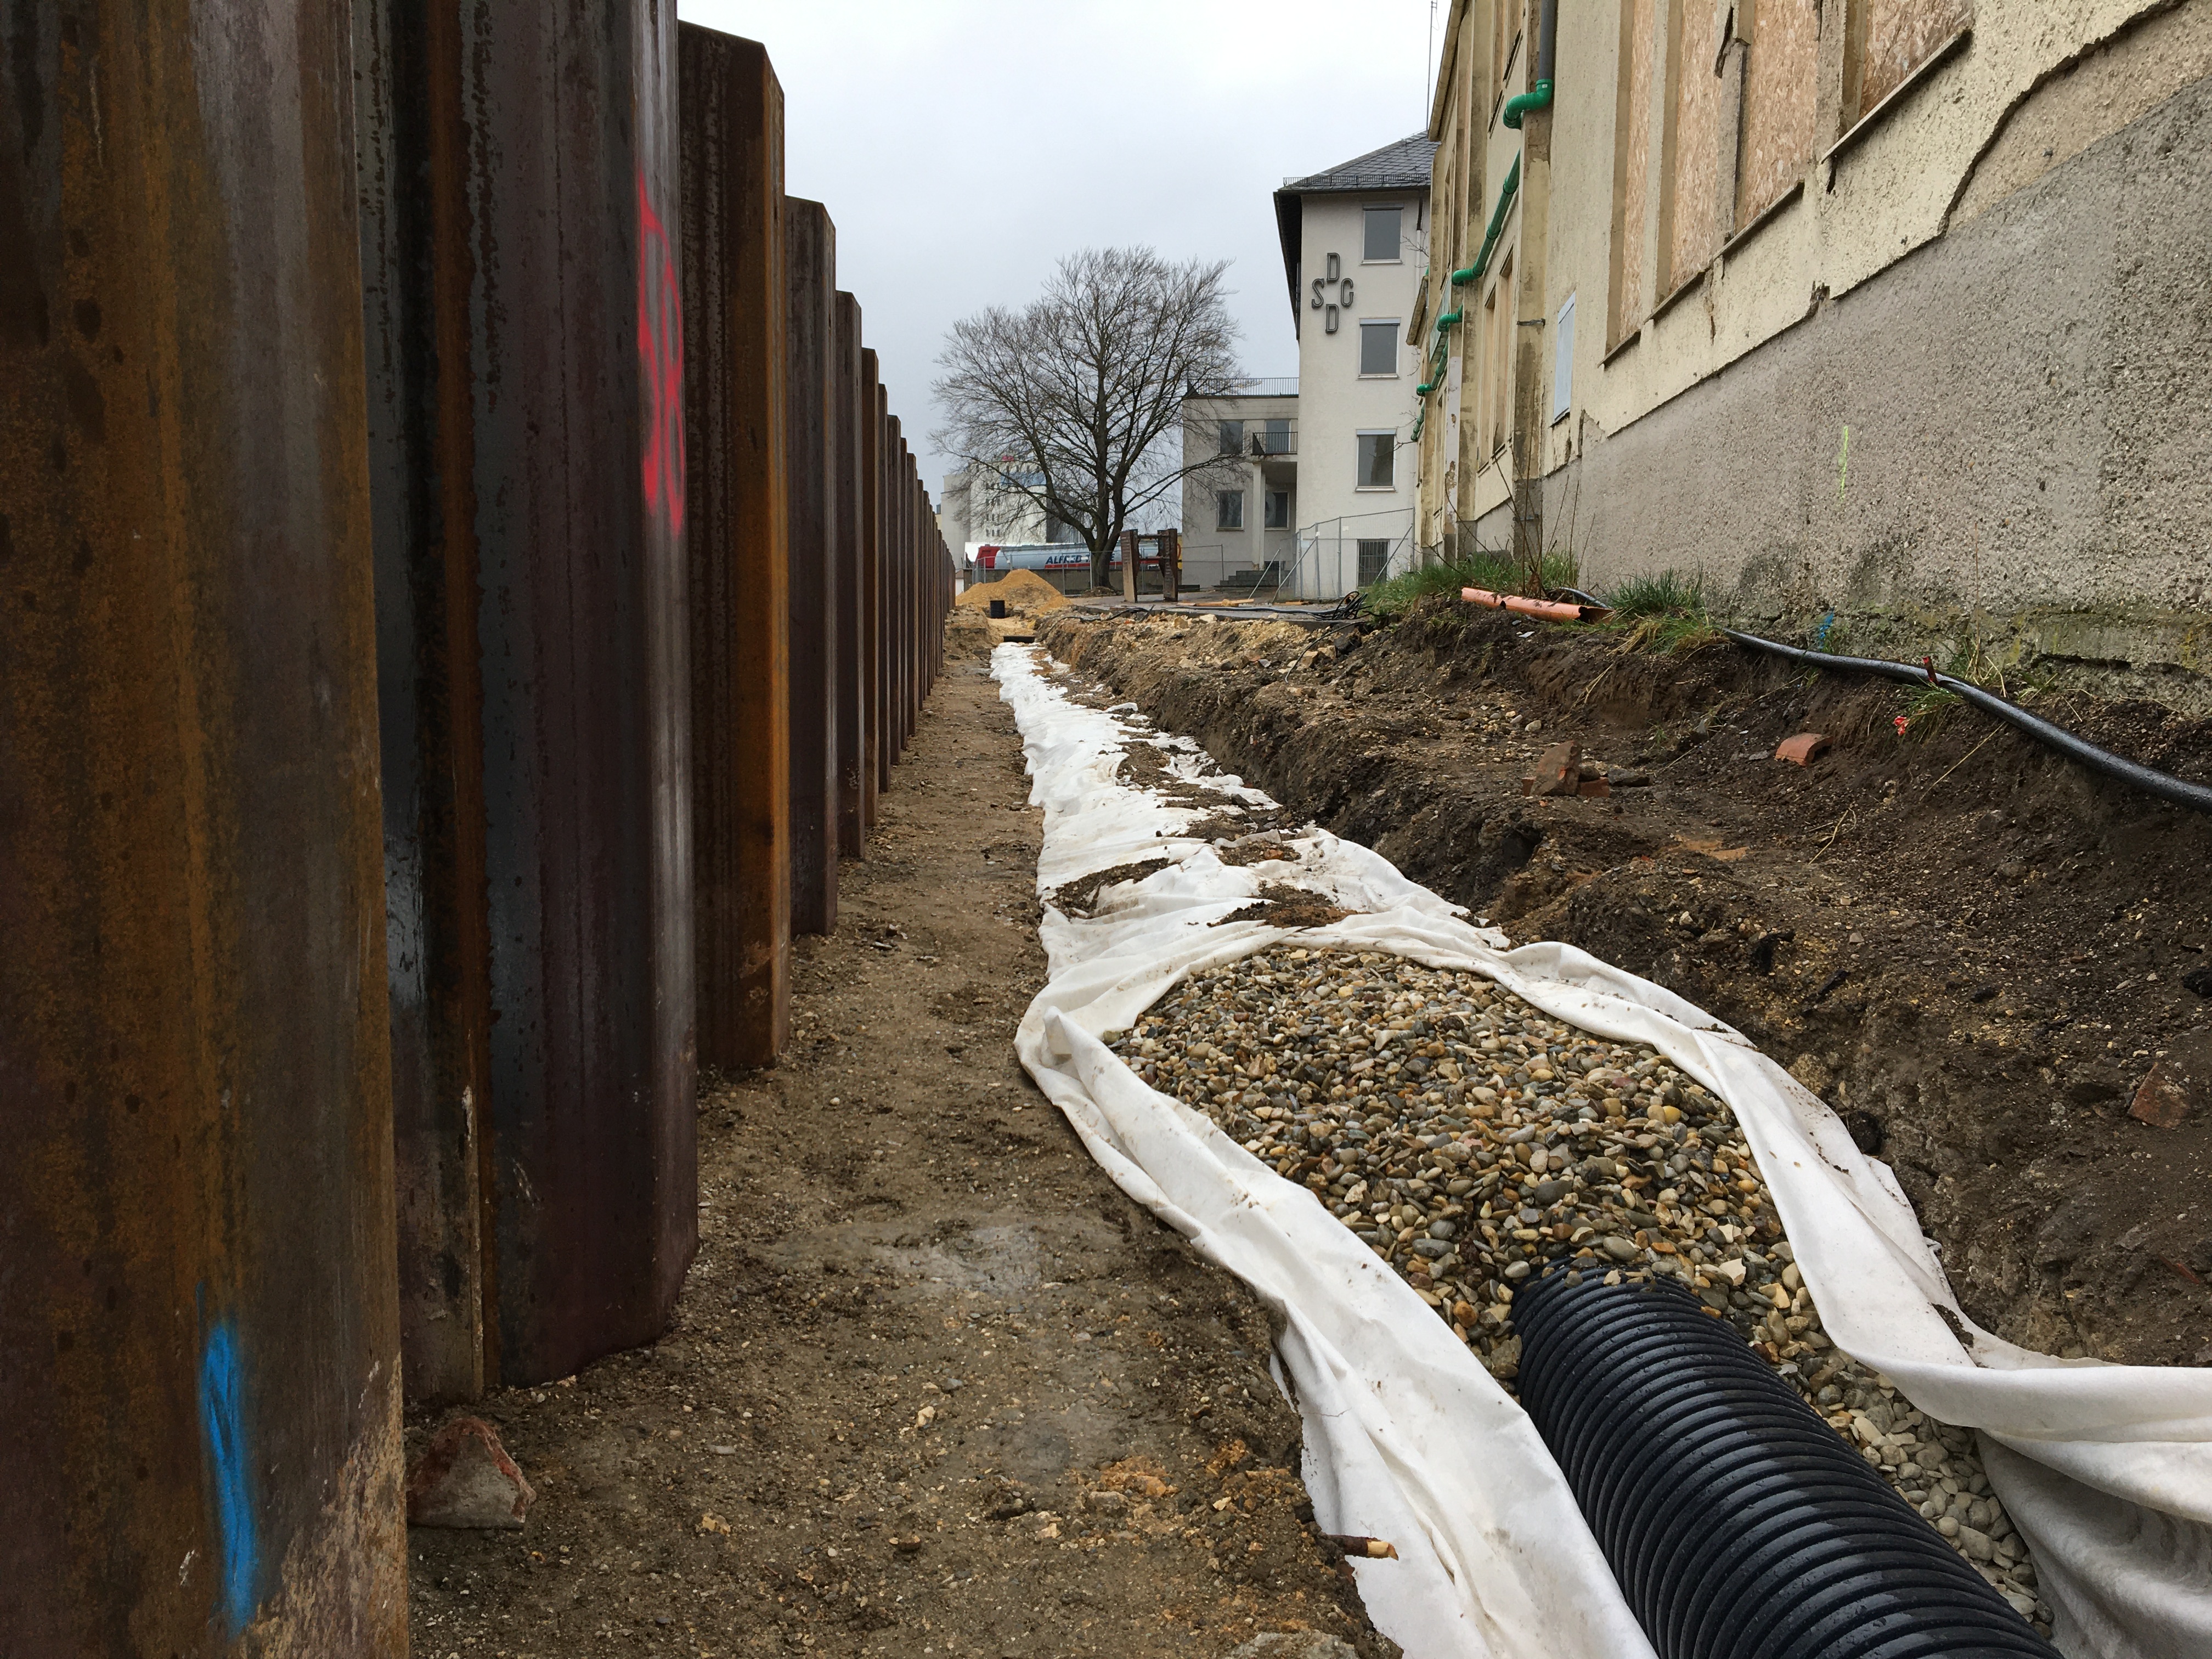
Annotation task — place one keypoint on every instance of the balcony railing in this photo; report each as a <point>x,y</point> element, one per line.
<point>1260,440</point>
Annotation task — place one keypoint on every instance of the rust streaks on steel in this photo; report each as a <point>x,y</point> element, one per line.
<point>199,1409</point>
<point>538,344</point>
<point>739,532</point>
<point>851,742</point>
<point>811,260</point>
<point>415,280</point>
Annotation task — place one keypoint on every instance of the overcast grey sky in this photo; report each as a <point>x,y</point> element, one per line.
<point>963,146</point>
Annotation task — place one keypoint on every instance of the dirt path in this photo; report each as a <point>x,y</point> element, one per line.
<point>1975,950</point>
<point>935,1385</point>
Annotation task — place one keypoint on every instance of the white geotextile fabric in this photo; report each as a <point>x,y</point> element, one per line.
<point>2106,1470</point>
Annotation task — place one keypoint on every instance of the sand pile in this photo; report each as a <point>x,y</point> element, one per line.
<point>1023,591</point>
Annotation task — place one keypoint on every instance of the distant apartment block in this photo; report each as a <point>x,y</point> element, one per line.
<point>983,506</point>
<point>1325,501</point>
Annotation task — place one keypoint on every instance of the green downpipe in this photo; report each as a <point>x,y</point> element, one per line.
<point>1506,193</point>
<point>1538,97</point>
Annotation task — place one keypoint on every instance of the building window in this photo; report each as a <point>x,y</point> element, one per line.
<point>1378,455</point>
<point>1278,437</point>
<point>1378,348</point>
<point>1374,559</point>
<point>1232,437</point>
<point>1382,244</point>
<point>1279,509</point>
<point>1228,509</point>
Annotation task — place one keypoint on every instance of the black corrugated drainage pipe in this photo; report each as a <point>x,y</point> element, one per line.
<point>2148,779</point>
<point>1738,1524</point>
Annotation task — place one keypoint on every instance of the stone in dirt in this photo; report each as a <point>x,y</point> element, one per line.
<point>1803,749</point>
<point>2178,1082</point>
<point>465,1478</point>
<point>1559,771</point>
<point>1295,1644</point>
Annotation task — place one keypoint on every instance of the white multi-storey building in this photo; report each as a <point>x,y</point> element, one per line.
<point>1240,515</point>
<point>1327,504</point>
<point>979,508</point>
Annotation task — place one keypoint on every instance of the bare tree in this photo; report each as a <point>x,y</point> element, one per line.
<point>1073,401</point>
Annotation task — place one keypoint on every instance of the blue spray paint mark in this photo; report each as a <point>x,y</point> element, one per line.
<point>223,1420</point>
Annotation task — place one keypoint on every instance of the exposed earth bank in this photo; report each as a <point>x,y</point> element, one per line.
<point>1975,950</point>
<point>934,1386</point>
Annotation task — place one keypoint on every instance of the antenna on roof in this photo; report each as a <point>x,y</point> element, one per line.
<point>1428,57</point>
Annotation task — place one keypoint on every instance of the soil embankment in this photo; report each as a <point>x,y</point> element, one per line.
<point>934,1386</point>
<point>1974,949</point>
<point>1026,597</point>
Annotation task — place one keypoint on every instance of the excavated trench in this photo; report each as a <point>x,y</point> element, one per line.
<point>1975,953</point>
<point>1475,1143</point>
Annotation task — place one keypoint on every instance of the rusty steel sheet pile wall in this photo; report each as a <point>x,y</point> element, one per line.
<point>810,262</point>
<point>851,742</point>
<point>872,583</point>
<point>886,587</point>
<point>736,303</point>
<point>895,595</point>
<point>525,389</point>
<point>199,1343</point>
<point>437,947</point>
<point>808,611</point>
<point>398,453</point>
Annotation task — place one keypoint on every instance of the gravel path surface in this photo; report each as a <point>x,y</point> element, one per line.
<point>1468,1139</point>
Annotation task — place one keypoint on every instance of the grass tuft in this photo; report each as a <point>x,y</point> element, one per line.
<point>1495,571</point>
<point>1665,613</point>
<point>1669,593</point>
<point>1928,709</point>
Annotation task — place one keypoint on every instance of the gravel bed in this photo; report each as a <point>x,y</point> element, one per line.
<point>1468,1139</point>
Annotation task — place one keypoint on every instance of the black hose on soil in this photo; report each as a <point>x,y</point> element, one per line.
<point>2164,785</point>
<point>1738,1524</point>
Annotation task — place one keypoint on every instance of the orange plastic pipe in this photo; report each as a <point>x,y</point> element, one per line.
<point>1557,611</point>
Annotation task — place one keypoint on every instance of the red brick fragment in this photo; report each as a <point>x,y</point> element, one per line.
<point>2161,1099</point>
<point>2179,1083</point>
<point>1596,787</point>
<point>1803,749</point>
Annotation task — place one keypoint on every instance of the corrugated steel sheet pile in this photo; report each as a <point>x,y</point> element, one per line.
<point>464,589</point>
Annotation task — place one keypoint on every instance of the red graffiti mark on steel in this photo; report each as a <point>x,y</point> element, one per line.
<point>660,351</point>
